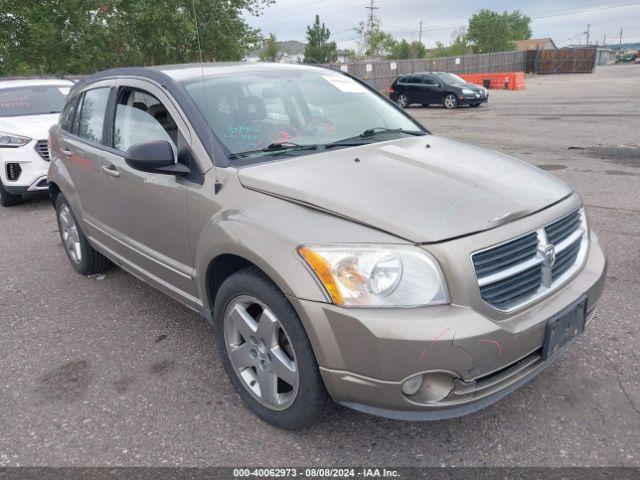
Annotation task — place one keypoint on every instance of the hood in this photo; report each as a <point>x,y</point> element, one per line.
<point>417,192</point>
<point>34,126</point>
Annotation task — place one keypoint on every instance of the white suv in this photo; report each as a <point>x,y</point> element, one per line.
<point>27,109</point>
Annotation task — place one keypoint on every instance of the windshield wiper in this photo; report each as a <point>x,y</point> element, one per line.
<point>362,139</point>
<point>275,147</point>
<point>375,131</point>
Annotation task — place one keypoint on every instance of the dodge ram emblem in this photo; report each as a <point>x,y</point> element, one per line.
<point>549,254</point>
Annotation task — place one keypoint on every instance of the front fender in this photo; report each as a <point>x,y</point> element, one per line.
<point>266,231</point>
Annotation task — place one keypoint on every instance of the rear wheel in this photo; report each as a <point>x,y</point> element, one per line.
<point>8,199</point>
<point>402,100</point>
<point>83,257</point>
<point>450,101</point>
<point>266,352</point>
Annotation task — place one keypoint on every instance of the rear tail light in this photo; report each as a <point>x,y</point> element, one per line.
<point>392,90</point>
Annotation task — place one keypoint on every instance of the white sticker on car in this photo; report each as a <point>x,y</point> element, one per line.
<point>344,84</point>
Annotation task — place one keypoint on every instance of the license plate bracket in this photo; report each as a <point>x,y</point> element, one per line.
<point>564,327</point>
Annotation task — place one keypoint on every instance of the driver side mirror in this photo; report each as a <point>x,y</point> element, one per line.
<point>155,157</point>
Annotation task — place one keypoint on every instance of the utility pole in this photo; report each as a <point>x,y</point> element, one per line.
<point>420,37</point>
<point>372,8</point>
<point>588,28</point>
<point>621,37</point>
<point>604,41</point>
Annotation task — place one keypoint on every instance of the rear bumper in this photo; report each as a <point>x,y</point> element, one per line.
<point>470,361</point>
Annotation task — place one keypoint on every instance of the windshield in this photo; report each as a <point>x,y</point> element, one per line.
<point>450,78</point>
<point>33,100</point>
<point>251,111</point>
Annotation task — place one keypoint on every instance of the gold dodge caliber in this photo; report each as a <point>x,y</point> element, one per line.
<point>339,250</point>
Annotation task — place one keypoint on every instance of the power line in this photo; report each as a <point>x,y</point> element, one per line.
<point>587,10</point>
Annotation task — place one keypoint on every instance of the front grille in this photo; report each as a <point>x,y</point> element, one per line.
<point>558,231</point>
<point>512,289</point>
<point>13,171</point>
<point>42,147</point>
<point>506,255</point>
<point>565,259</point>
<point>518,271</point>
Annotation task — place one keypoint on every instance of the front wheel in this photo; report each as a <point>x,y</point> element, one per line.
<point>8,199</point>
<point>450,101</point>
<point>402,100</point>
<point>266,352</point>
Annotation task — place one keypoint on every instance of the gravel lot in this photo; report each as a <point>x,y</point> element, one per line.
<point>107,371</point>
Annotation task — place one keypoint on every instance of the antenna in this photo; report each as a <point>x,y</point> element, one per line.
<point>218,185</point>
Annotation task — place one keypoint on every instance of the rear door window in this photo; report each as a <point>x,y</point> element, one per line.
<point>90,118</point>
<point>430,80</point>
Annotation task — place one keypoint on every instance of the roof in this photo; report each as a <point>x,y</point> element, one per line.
<point>535,44</point>
<point>33,82</point>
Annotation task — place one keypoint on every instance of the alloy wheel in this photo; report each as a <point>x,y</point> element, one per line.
<point>403,101</point>
<point>70,234</point>
<point>450,101</point>
<point>261,352</point>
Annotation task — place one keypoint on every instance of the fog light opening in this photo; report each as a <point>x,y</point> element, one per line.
<point>412,386</point>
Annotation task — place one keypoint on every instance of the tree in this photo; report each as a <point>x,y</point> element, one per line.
<point>372,40</point>
<point>459,45</point>
<point>418,50</point>
<point>271,49</point>
<point>82,36</point>
<point>319,49</point>
<point>400,50</point>
<point>491,31</point>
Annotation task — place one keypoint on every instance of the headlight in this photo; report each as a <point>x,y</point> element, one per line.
<point>9,140</point>
<point>377,275</point>
<point>467,91</point>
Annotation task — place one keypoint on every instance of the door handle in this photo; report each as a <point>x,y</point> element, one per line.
<point>110,170</point>
<point>66,152</point>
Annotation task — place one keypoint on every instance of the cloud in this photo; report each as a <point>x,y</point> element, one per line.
<point>562,20</point>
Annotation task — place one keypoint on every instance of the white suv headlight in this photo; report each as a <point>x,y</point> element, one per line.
<point>10,140</point>
<point>377,275</point>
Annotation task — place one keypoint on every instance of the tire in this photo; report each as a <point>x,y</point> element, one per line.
<point>83,257</point>
<point>249,291</point>
<point>8,199</point>
<point>450,101</point>
<point>402,101</point>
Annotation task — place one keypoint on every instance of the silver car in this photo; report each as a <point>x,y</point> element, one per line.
<point>338,249</point>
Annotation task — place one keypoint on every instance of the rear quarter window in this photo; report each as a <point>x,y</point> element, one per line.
<point>66,117</point>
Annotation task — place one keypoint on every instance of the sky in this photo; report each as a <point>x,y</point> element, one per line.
<point>565,21</point>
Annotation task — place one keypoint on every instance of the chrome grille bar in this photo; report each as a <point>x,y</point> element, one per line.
<point>519,271</point>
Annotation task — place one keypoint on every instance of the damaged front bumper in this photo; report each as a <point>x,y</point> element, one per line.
<point>468,360</point>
